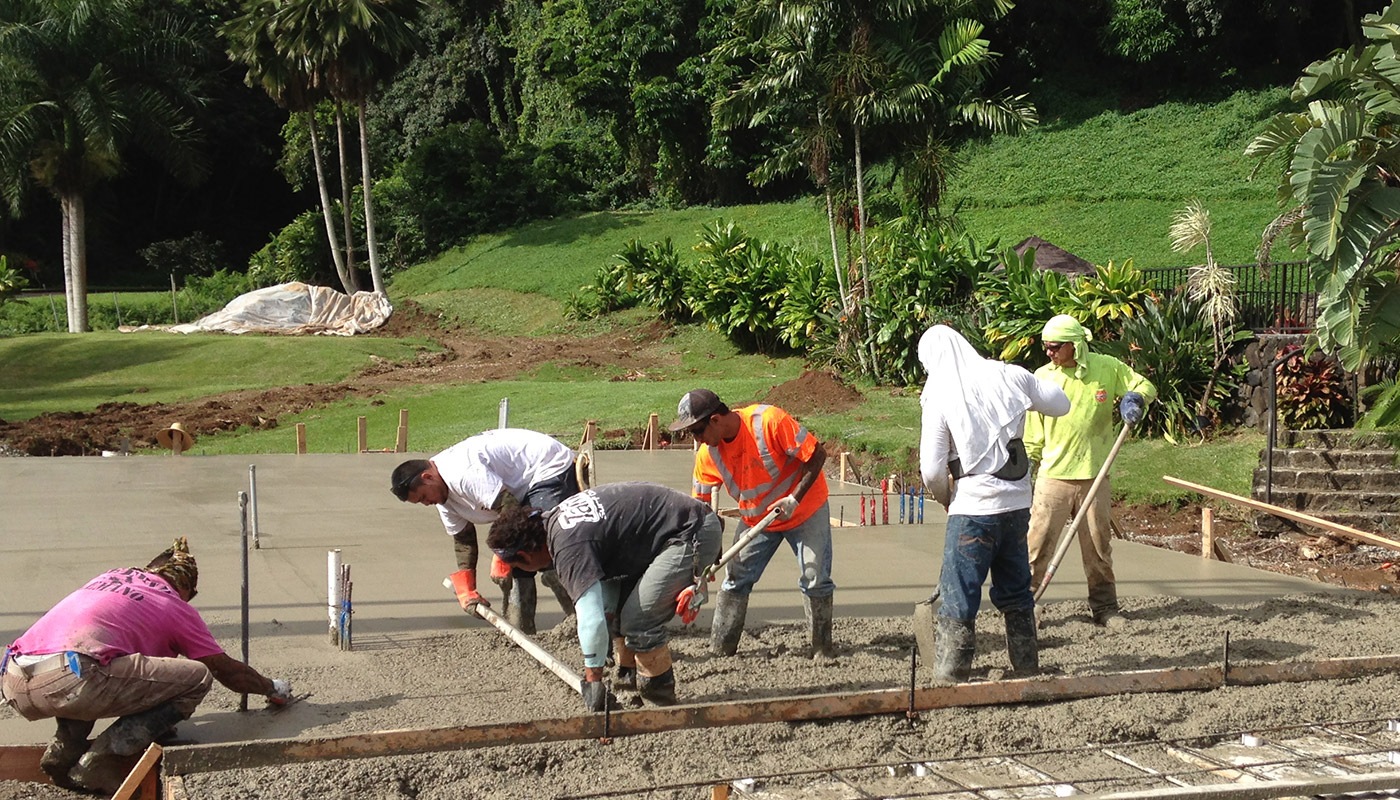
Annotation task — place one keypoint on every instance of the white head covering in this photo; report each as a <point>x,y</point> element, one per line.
<point>975,396</point>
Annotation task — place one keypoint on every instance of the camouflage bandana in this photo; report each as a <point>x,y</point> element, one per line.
<point>176,566</point>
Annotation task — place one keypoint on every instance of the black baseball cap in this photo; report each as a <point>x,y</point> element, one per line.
<point>698,405</point>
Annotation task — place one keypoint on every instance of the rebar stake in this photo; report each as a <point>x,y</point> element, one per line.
<point>606,738</point>
<point>1225,668</point>
<point>911,714</point>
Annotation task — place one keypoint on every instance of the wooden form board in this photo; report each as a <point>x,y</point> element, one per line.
<point>193,759</point>
<point>1278,511</point>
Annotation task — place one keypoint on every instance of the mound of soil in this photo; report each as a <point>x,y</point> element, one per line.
<point>814,392</point>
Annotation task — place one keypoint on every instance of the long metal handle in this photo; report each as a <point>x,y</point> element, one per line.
<point>743,541</point>
<point>1070,534</point>
<point>573,679</point>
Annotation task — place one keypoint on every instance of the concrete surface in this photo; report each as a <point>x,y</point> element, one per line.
<point>67,519</point>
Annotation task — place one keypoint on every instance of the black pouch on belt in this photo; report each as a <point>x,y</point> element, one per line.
<point>1016,466</point>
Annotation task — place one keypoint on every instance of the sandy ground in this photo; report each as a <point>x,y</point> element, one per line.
<point>476,676</point>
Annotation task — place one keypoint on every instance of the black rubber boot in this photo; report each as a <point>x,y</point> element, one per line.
<point>626,679</point>
<point>728,627</point>
<point>660,689</point>
<point>952,659</point>
<point>521,612</point>
<point>506,583</point>
<point>106,764</point>
<point>1021,641</point>
<point>819,626</point>
<point>69,743</point>
<point>550,578</point>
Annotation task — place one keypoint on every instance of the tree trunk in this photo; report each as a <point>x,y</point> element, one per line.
<point>75,262</point>
<point>347,223</point>
<point>864,262</point>
<point>326,205</point>
<point>371,241</point>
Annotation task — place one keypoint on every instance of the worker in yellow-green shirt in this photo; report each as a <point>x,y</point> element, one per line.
<point>1072,449</point>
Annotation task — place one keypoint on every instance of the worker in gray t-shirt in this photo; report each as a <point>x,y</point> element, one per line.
<point>623,548</point>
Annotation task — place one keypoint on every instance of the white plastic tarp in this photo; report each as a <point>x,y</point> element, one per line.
<point>297,308</point>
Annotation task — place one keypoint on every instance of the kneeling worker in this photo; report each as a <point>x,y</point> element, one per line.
<point>625,547</point>
<point>111,649</point>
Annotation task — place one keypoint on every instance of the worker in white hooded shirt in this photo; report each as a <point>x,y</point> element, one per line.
<point>973,462</point>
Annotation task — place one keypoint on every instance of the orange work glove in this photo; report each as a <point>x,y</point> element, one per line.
<point>499,568</point>
<point>464,582</point>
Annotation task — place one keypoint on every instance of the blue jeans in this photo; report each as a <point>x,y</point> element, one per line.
<point>974,545</point>
<point>810,542</point>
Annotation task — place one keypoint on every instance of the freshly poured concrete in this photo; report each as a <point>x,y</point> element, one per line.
<point>68,519</point>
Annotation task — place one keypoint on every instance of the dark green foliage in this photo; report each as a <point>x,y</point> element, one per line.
<point>609,292</point>
<point>1170,343</point>
<point>740,284</point>
<point>923,275</point>
<point>654,273</point>
<point>196,254</point>
<point>463,181</point>
<point>11,282</point>
<point>297,253</point>
<point>1312,392</point>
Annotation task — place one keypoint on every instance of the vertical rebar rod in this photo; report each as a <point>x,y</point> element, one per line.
<point>911,714</point>
<point>243,517</point>
<point>253,503</point>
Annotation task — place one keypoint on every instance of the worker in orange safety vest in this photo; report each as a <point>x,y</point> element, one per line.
<point>766,460</point>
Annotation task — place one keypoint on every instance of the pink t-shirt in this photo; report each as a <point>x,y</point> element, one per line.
<point>118,613</point>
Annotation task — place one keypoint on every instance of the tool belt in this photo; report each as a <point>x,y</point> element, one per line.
<point>1016,466</point>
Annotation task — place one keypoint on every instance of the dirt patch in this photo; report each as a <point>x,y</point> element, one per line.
<point>465,358</point>
<point>474,676</point>
<point>814,392</point>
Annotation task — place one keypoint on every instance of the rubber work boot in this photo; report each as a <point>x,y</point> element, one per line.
<point>819,626</point>
<point>550,578</point>
<point>1021,641</point>
<point>952,658</point>
<point>728,626</point>
<point>521,612</point>
<point>68,745</point>
<point>656,679</point>
<point>112,755</point>
<point>626,677</point>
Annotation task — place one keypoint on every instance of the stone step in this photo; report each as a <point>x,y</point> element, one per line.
<point>1378,481</point>
<point>1327,503</point>
<point>1306,458</point>
<point>1384,523</point>
<point>1345,439</point>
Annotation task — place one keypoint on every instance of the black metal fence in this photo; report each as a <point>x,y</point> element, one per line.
<point>1276,298</point>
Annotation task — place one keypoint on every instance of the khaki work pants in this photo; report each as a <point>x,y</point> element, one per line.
<point>1055,503</point>
<point>125,685</point>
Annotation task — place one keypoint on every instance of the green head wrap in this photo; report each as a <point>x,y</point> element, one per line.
<point>1064,328</point>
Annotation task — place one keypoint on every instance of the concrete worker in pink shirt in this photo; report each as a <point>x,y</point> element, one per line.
<point>113,649</point>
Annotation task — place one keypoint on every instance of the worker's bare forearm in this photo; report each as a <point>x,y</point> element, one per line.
<point>237,676</point>
<point>811,468</point>
<point>465,547</point>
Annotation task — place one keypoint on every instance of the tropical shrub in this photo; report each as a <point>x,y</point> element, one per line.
<point>740,284</point>
<point>1015,303</point>
<point>1116,293</point>
<point>1171,344</point>
<point>1311,392</point>
<point>608,293</point>
<point>922,274</point>
<point>11,282</point>
<point>654,273</point>
<point>299,252</point>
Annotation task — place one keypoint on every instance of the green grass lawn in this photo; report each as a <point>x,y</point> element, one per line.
<point>64,372</point>
<point>1226,463</point>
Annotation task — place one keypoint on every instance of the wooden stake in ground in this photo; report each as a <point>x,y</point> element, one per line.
<point>362,433</point>
<point>401,440</point>
<point>1207,533</point>
<point>1335,528</point>
<point>301,438</point>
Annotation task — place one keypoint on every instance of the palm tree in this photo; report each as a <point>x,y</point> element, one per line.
<point>349,48</point>
<point>257,38</point>
<point>915,67</point>
<point>80,82</point>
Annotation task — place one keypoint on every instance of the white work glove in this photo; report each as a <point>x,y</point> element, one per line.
<point>281,693</point>
<point>785,506</point>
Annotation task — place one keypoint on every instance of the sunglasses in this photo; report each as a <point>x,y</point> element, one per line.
<point>1051,347</point>
<point>699,427</point>
<point>402,487</point>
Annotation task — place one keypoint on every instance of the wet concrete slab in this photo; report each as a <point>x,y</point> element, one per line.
<point>65,520</point>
